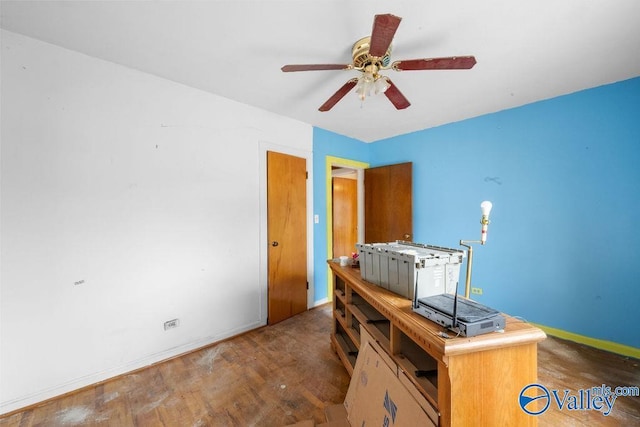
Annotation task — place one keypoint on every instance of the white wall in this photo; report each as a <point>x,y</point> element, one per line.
<point>149,192</point>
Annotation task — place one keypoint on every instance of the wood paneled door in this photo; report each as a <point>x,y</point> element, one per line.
<point>345,215</point>
<point>287,236</point>
<point>388,203</point>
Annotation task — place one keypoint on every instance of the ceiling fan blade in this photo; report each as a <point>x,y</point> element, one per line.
<point>338,95</point>
<point>396,97</point>
<point>384,28</point>
<point>314,67</point>
<point>452,63</point>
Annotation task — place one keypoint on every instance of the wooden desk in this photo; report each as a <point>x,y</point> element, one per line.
<point>468,381</point>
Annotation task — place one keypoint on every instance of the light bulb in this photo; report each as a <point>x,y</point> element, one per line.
<point>485,207</point>
<point>381,85</point>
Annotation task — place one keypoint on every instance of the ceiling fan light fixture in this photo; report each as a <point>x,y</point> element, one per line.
<point>363,88</point>
<point>368,77</point>
<point>381,85</point>
<point>365,84</point>
<point>368,83</point>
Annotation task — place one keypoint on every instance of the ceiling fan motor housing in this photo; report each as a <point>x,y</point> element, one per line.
<point>361,57</point>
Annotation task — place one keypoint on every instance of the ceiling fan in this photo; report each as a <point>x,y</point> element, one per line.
<point>371,54</point>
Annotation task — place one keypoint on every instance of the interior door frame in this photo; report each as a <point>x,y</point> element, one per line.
<point>359,167</point>
<point>263,281</point>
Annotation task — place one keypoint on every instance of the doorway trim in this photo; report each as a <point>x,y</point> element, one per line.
<point>330,162</point>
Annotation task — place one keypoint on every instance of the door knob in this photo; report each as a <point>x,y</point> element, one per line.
<point>274,244</point>
<point>407,236</point>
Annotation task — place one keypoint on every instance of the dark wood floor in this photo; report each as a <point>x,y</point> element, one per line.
<point>285,373</point>
<point>564,365</point>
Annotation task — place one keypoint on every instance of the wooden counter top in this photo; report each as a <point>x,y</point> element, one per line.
<point>427,333</point>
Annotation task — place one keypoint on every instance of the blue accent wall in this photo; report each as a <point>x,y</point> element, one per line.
<point>325,144</point>
<point>564,178</point>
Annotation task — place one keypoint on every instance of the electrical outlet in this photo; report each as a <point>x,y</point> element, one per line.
<point>170,324</point>
<point>477,291</point>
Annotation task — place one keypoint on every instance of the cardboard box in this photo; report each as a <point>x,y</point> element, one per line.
<point>422,401</point>
<point>379,394</point>
<point>366,337</point>
<point>378,397</point>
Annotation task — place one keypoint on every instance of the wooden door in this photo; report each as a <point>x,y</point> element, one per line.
<point>345,215</point>
<point>388,203</point>
<point>287,235</point>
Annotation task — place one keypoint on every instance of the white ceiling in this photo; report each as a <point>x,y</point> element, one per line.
<point>526,50</point>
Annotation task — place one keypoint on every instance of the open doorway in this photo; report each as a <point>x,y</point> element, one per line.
<point>344,195</point>
<point>385,211</point>
<point>347,174</point>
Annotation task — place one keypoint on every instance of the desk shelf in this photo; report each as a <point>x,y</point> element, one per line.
<point>466,381</point>
<point>344,346</point>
